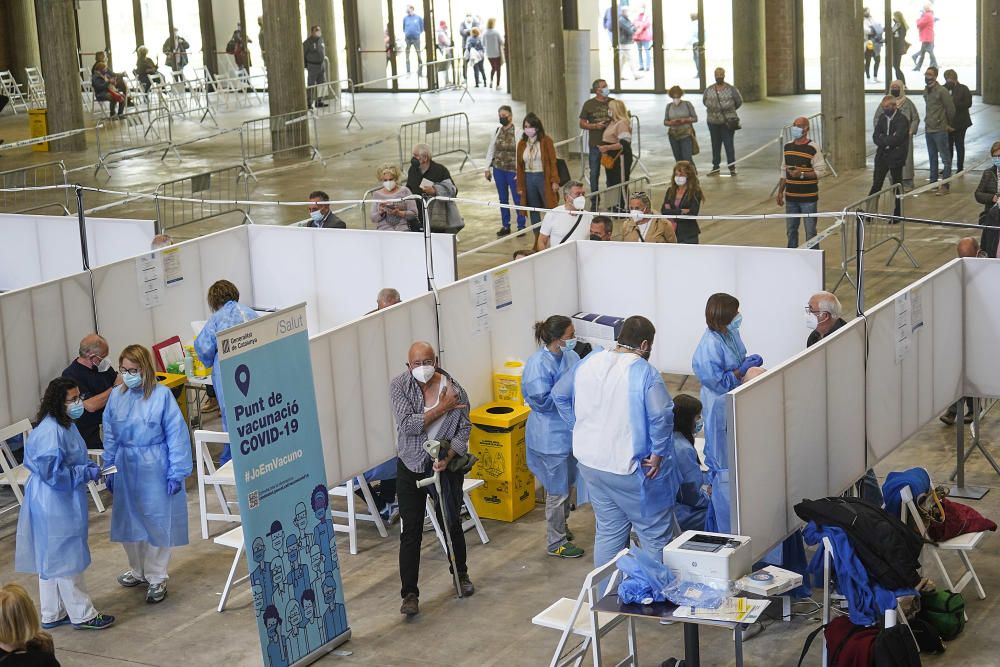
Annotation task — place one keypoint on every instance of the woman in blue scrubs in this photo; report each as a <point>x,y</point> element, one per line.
<point>720,362</point>
<point>548,438</point>
<point>145,437</point>
<point>692,499</point>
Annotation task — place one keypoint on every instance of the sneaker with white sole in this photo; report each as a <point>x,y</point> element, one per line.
<point>129,580</point>
<point>156,592</point>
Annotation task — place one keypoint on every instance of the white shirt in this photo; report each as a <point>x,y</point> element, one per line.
<point>435,426</point>
<point>602,435</point>
<point>558,222</point>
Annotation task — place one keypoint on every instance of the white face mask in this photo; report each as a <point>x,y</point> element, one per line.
<point>579,203</point>
<point>636,214</point>
<point>389,185</point>
<point>422,374</point>
<point>812,321</point>
<point>681,180</point>
<point>104,366</point>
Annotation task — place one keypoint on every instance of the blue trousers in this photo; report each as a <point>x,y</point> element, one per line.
<point>682,148</point>
<point>792,224</point>
<point>938,146</point>
<point>534,187</point>
<point>722,136</point>
<point>595,173</point>
<point>618,510</point>
<point>506,181</point>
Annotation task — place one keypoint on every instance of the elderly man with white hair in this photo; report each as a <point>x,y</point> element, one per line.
<point>430,179</point>
<point>823,316</point>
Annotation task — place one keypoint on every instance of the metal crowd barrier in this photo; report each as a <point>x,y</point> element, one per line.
<point>815,134</point>
<point>331,94</point>
<point>636,129</point>
<point>39,175</point>
<point>130,136</point>
<point>620,193</point>
<point>229,184</point>
<point>581,141</point>
<point>278,134</point>
<point>879,228</point>
<point>444,134</point>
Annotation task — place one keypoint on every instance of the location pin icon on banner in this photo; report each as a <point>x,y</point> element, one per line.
<point>243,378</point>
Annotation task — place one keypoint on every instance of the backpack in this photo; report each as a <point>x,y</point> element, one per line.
<point>945,611</point>
<point>848,645</point>
<point>926,635</point>
<point>888,549</point>
<point>231,47</point>
<point>894,647</point>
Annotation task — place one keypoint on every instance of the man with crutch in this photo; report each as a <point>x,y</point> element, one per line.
<point>429,405</point>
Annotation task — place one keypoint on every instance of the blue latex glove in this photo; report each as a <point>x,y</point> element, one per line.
<point>757,359</point>
<point>746,365</point>
<point>109,481</point>
<point>93,472</point>
<point>173,487</point>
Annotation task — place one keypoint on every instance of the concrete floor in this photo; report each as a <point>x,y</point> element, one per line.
<point>514,578</point>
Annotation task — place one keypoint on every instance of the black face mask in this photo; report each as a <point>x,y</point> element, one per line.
<point>595,237</point>
<point>415,162</point>
<point>719,79</point>
<point>504,121</point>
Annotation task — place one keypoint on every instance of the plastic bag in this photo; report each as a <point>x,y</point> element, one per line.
<point>647,579</point>
<point>703,593</point>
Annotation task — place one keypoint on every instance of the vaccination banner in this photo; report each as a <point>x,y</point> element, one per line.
<point>278,460</point>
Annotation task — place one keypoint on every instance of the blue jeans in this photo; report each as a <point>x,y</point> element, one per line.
<point>645,59</point>
<point>721,135</point>
<point>682,148</point>
<point>506,181</point>
<point>618,510</point>
<point>937,146</point>
<point>792,224</point>
<point>595,173</point>
<point>534,187</point>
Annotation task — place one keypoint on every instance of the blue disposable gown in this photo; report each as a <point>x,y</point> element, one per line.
<point>692,501</point>
<point>52,527</point>
<point>715,363</point>
<point>651,416</point>
<point>149,443</point>
<point>549,439</point>
<point>206,345</point>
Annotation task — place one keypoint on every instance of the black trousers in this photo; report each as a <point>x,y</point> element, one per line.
<point>412,509</point>
<point>878,179</point>
<point>956,147</point>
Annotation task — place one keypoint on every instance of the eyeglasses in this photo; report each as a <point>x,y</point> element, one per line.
<point>129,371</point>
<point>424,362</point>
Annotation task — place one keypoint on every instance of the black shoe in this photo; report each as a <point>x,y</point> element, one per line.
<point>948,418</point>
<point>410,606</point>
<point>466,585</point>
<point>732,171</point>
<point>504,231</point>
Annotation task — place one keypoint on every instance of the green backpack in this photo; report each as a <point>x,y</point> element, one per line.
<point>945,611</point>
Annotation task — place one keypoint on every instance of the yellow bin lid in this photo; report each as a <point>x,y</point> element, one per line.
<point>504,414</point>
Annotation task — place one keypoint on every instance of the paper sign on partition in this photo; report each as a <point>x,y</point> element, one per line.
<point>280,479</point>
<point>149,275</point>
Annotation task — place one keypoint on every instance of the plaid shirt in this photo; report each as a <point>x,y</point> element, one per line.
<point>407,399</point>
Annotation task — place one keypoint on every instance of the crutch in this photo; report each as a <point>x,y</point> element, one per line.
<point>433,448</point>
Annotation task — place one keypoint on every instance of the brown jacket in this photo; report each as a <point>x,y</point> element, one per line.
<point>548,168</point>
<point>659,231</point>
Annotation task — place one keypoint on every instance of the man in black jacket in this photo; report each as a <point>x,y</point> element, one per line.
<point>962,97</point>
<point>320,215</point>
<point>891,136</point>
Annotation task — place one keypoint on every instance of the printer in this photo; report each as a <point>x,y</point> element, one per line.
<point>713,555</point>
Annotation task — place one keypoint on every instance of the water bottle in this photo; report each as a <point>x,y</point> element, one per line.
<point>189,366</point>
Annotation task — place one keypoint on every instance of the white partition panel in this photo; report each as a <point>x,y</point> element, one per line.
<point>907,391</point>
<point>670,283</point>
<point>39,248</point>
<point>40,331</point>
<point>338,272</point>
<point>797,432</point>
<point>121,316</point>
<point>982,322</point>
<point>540,285</point>
<point>353,366</point>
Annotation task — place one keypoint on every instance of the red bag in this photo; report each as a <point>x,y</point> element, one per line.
<point>848,645</point>
<point>959,519</point>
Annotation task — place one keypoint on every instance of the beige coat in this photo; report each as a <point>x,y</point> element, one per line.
<point>659,231</point>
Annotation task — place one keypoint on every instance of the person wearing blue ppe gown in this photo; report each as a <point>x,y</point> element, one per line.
<point>692,499</point>
<point>52,526</point>
<point>623,428</point>
<point>548,438</point>
<point>147,441</point>
<point>227,311</point>
<point>721,364</point>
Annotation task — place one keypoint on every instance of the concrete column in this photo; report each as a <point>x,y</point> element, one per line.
<point>23,36</point>
<point>989,32</point>
<point>781,43</point>
<point>576,44</point>
<point>842,90</point>
<point>208,45</point>
<point>515,50</point>
<point>749,54</point>
<point>60,69</point>
<point>371,33</point>
<point>542,33</point>
<point>286,79</point>
<point>320,12</point>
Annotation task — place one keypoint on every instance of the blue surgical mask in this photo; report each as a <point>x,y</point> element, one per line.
<point>797,132</point>
<point>605,91</point>
<point>75,410</point>
<point>132,381</point>
<point>735,324</point>
<point>996,161</point>
<point>699,426</point>
<point>569,344</point>
<point>317,216</point>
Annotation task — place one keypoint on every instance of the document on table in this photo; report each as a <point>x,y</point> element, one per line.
<point>733,610</point>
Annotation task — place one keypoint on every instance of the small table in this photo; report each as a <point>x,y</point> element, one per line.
<point>192,395</point>
<point>664,611</point>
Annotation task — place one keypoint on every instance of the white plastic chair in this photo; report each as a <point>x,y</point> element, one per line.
<point>346,490</point>
<point>571,617</point>
<point>473,521</point>
<point>962,545</point>
<point>219,477</point>
<point>234,540</point>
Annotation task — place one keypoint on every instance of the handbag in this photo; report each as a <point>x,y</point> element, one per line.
<point>732,121</point>
<point>695,148</point>
<point>609,161</point>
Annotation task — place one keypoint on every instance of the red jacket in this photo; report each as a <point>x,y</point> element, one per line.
<point>643,29</point>
<point>925,24</point>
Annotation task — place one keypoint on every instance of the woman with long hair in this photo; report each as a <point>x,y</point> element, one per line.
<point>684,197</point>
<point>537,173</point>
<point>692,499</point>
<point>616,148</point>
<point>22,641</point>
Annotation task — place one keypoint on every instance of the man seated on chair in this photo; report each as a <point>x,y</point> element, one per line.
<point>428,404</point>
<point>320,214</point>
<point>94,373</point>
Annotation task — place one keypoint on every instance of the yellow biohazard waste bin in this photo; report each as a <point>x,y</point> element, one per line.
<point>175,383</point>
<point>498,440</point>
<point>200,369</point>
<point>507,382</point>
<point>39,125</point>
